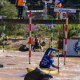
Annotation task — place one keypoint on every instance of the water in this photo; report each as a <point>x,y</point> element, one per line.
<point>17,62</point>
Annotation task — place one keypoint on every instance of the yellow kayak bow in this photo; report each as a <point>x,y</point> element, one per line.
<point>45,70</point>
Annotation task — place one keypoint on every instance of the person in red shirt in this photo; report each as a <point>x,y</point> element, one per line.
<point>36,42</point>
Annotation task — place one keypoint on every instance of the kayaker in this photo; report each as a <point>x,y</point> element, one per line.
<point>47,60</point>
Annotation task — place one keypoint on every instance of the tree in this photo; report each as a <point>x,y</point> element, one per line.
<point>7,9</point>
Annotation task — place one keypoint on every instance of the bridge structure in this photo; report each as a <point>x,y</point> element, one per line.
<point>26,21</point>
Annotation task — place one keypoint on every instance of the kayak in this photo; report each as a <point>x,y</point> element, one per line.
<point>48,71</point>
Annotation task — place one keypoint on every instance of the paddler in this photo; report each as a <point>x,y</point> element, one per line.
<point>47,60</point>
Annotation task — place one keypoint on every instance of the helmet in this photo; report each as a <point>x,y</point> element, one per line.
<point>53,53</point>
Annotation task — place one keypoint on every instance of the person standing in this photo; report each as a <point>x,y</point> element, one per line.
<point>2,34</point>
<point>21,5</point>
<point>58,4</point>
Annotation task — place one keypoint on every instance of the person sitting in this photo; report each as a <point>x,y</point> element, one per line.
<point>6,38</point>
<point>36,43</point>
<point>47,60</point>
<point>32,44</point>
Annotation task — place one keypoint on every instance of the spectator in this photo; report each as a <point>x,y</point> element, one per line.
<point>36,42</point>
<point>32,44</point>
<point>6,38</point>
<point>2,34</point>
<point>58,4</point>
<point>21,4</point>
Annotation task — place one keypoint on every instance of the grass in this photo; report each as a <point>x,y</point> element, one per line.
<point>17,48</point>
<point>1,39</point>
<point>12,48</point>
<point>45,47</point>
<point>9,48</point>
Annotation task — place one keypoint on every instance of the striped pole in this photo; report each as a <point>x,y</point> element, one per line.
<point>58,39</point>
<point>58,61</point>
<point>39,37</point>
<point>66,37</point>
<point>51,32</point>
<point>79,36</point>
<point>3,36</point>
<point>30,21</point>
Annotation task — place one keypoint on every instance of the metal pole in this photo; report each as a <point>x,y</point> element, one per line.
<point>45,11</point>
<point>57,38</point>
<point>51,33</point>
<point>58,61</point>
<point>66,37</point>
<point>30,22</point>
<point>63,31</point>
<point>4,35</point>
<point>15,32</point>
<point>39,37</point>
<point>49,42</point>
<point>79,36</point>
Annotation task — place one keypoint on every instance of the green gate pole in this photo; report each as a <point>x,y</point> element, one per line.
<point>51,32</point>
<point>79,36</point>
<point>3,36</point>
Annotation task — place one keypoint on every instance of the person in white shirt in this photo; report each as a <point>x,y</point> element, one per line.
<point>2,34</point>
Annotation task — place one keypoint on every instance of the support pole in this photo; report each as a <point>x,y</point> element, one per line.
<point>15,32</point>
<point>3,36</point>
<point>79,36</point>
<point>58,39</point>
<point>39,36</point>
<point>58,61</point>
<point>66,38</point>
<point>30,22</point>
<point>51,33</point>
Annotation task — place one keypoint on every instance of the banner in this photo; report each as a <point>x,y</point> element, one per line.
<point>33,28</point>
<point>72,47</point>
<point>64,10</point>
<point>47,1</point>
<point>63,15</point>
<point>48,26</point>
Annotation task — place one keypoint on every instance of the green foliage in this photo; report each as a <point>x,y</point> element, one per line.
<point>42,27</point>
<point>49,17</point>
<point>4,3</point>
<point>46,47</point>
<point>7,9</point>
<point>72,30</point>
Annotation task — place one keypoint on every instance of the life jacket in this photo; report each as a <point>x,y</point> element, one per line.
<point>32,42</point>
<point>58,5</point>
<point>21,3</point>
<point>6,37</point>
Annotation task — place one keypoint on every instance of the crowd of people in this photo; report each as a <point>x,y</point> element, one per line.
<point>35,43</point>
<point>21,5</point>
